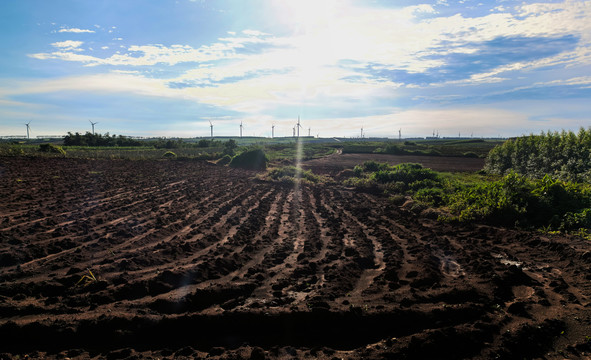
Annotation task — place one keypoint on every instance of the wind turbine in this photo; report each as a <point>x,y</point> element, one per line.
<point>272,131</point>
<point>298,126</point>
<point>28,128</point>
<point>294,131</point>
<point>309,131</point>
<point>93,124</point>
<point>211,128</point>
<point>241,129</point>
<point>362,132</point>
<point>400,134</point>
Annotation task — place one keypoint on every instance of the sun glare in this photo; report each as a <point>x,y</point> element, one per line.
<point>316,40</point>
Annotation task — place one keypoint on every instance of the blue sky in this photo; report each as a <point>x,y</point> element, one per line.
<point>168,68</point>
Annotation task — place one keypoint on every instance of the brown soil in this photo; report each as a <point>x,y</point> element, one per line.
<point>195,260</point>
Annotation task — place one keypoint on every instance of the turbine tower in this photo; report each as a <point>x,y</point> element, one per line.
<point>93,124</point>
<point>211,128</point>
<point>294,131</point>
<point>241,129</point>
<point>309,131</point>
<point>272,131</point>
<point>399,134</point>
<point>298,126</point>
<point>362,132</point>
<point>28,128</point>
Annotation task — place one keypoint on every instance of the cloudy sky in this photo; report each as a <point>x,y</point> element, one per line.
<point>167,68</point>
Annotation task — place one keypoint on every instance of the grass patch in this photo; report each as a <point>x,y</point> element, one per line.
<point>292,174</point>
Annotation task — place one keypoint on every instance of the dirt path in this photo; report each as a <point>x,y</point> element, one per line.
<point>197,260</point>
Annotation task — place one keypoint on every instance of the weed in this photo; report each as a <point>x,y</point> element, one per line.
<point>87,279</point>
<point>50,148</point>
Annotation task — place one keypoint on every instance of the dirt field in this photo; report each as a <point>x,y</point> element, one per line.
<point>185,259</point>
<point>335,163</point>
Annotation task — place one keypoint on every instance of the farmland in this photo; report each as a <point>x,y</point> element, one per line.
<point>184,258</point>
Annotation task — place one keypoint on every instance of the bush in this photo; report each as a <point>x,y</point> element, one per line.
<point>398,200</point>
<point>407,173</point>
<point>203,143</point>
<point>254,159</point>
<point>50,148</point>
<point>291,173</point>
<point>433,196</point>
<point>230,147</point>
<point>169,155</point>
<point>548,203</point>
<point>395,150</point>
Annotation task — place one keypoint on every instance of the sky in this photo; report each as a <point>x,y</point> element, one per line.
<point>415,68</point>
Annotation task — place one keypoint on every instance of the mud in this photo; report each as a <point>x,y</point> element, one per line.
<point>185,259</point>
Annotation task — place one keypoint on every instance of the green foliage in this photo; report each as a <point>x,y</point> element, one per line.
<point>503,202</point>
<point>169,155</point>
<point>435,196</point>
<point>253,159</point>
<point>289,151</point>
<point>395,150</point>
<point>291,174</point>
<point>398,199</point>
<point>363,183</point>
<point>548,203</point>
<point>515,199</point>
<point>225,160</point>
<point>203,143</point>
<point>398,179</point>
<point>51,148</point>
<point>563,155</point>
<point>230,147</point>
<point>90,139</point>
<point>407,173</point>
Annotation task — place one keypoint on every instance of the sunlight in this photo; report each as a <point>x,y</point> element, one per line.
<point>317,42</point>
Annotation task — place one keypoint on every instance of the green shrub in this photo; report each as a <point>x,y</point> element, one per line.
<point>547,203</point>
<point>291,173</point>
<point>407,173</point>
<point>50,148</point>
<point>395,150</point>
<point>254,159</point>
<point>434,196</point>
<point>169,155</point>
<point>398,199</point>
<point>363,183</point>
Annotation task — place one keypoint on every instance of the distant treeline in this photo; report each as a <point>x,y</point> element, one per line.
<point>563,155</point>
<point>90,139</point>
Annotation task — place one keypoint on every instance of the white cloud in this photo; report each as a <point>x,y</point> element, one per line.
<point>145,55</point>
<point>68,45</point>
<point>75,30</point>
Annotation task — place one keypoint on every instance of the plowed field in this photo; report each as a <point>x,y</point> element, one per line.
<point>173,259</point>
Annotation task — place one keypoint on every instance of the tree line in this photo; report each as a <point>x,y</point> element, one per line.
<point>563,155</point>
<point>90,139</point>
